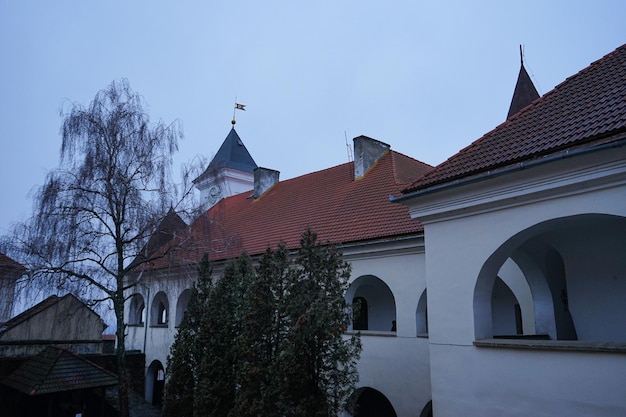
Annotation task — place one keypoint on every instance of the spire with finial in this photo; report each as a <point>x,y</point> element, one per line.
<point>525,91</point>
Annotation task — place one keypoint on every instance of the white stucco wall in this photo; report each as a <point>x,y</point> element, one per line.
<point>397,365</point>
<point>471,381</point>
<point>468,231</point>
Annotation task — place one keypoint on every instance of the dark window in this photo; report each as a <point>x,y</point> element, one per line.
<point>359,308</point>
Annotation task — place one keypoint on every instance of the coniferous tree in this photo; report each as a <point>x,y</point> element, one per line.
<point>185,351</point>
<point>270,342</point>
<point>319,365</point>
<point>262,338</point>
<point>219,349</point>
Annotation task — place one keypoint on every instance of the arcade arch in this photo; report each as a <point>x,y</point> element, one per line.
<point>574,269</point>
<point>421,315</point>
<point>181,306</point>
<point>376,304</point>
<point>137,310</point>
<point>159,311</point>
<point>155,383</point>
<point>369,402</point>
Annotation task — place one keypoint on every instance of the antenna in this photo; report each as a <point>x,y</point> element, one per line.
<point>348,147</point>
<point>521,54</point>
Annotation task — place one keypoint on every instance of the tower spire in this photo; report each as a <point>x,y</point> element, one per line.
<point>525,91</point>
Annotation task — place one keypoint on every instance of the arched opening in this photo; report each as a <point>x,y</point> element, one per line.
<point>137,310</point>
<point>159,312</point>
<point>155,383</point>
<point>368,402</point>
<point>377,306</point>
<point>574,270</point>
<point>181,306</point>
<point>427,411</point>
<point>421,316</point>
<point>506,314</point>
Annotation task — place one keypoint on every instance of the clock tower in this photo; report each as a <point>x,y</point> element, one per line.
<point>230,172</point>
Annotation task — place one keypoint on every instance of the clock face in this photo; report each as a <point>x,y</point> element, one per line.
<point>214,194</point>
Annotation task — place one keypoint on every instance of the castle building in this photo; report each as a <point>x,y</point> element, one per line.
<point>525,265</point>
<point>493,283</point>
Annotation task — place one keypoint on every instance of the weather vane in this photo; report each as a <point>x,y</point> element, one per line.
<point>238,106</point>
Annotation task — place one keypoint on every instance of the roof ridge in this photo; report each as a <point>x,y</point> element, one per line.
<point>582,109</point>
<point>55,358</point>
<point>37,308</point>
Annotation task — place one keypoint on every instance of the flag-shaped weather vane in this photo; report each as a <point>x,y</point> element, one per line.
<point>238,106</point>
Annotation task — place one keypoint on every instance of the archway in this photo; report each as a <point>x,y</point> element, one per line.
<point>377,304</point>
<point>576,271</point>
<point>155,383</point>
<point>369,402</point>
<point>137,311</point>
<point>427,411</point>
<point>181,306</point>
<point>421,315</point>
<point>159,311</point>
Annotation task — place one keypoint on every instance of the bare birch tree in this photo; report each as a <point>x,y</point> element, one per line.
<point>95,213</point>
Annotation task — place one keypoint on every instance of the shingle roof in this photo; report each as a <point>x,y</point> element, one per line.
<point>232,154</point>
<point>56,370</point>
<point>330,202</point>
<point>586,109</point>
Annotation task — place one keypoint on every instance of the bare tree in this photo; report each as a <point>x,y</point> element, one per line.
<point>95,213</point>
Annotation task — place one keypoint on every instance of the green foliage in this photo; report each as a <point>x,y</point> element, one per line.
<point>267,341</point>
<point>319,366</point>
<point>183,360</point>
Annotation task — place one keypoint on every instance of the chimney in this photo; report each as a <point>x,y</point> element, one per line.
<point>367,152</point>
<point>264,179</point>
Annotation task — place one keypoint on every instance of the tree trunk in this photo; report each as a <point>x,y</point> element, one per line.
<point>123,383</point>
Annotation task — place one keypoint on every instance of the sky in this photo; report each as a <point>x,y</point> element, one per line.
<point>426,77</point>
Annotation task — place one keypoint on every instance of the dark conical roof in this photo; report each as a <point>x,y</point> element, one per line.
<point>233,154</point>
<point>524,94</point>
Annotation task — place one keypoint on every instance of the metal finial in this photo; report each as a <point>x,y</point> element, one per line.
<point>521,54</point>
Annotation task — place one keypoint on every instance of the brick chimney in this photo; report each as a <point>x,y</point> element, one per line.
<point>367,152</point>
<point>264,179</point>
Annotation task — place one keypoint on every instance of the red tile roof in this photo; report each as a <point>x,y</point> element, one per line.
<point>330,202</point>
<point>586,109</point>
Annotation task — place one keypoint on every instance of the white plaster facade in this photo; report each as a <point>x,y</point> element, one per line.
<point>559,230</point>
<point>512,301</point>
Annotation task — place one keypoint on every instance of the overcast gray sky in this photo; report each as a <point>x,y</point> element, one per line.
<point>427,77</point>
